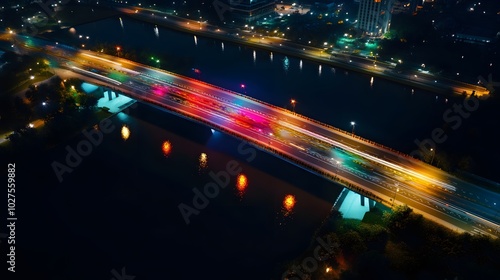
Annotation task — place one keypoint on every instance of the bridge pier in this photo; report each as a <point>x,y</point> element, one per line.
<point>353,205</point>
<point>108,92</point>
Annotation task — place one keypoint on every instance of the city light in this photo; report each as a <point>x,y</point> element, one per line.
<point>125,132</point>
<point>289,203</point>
<point>241,182</point>
<point>166,147</point>
<point>203,160</point>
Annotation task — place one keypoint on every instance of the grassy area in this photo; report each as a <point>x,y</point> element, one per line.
<point>23,85</point>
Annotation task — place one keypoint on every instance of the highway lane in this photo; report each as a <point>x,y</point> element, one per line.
<point>302,145</point>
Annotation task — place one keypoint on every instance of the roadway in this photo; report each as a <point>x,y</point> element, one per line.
<point>379,172</point>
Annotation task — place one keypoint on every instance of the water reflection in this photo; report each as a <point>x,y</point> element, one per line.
<point>319,70</point>
<point>203,161</point>
<point>195,41</point>
<point>241,185</point>
<point>289,204</point>
<point>125,132</point>
<point>285,214</point>
<point>286,64</point>
<point>121,22</point>
<point>166,148</point>
<point>271,56</point>
<point>371,82</point>
<point>222,46</point>
<point>300,64</point>
<point>157,32</point>
<point>254,56</point>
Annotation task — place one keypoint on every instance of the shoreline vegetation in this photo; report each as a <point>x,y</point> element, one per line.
<point>397,244</point>
<point>48,112</point>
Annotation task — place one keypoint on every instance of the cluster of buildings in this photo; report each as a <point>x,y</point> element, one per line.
<point>373,18</point>
<point>251,10</point>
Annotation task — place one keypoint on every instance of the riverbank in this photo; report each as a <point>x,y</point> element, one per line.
<point>439,88</point>
<point>397,244</point>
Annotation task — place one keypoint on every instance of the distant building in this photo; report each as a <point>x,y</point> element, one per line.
<point>374,16</point>
<point>404,7</point>
<point>251,10</point>
<point>476,35</point>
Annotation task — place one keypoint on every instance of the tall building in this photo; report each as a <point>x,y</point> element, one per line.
<point>374,16</point>
<point>251,10</point>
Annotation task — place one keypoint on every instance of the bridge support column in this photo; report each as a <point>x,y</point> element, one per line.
<point>353,205</point>
<point>109,95</point>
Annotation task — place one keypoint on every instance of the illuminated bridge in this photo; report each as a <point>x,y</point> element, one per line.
<point>367,168</point>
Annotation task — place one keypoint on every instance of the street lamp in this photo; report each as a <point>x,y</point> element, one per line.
<point>433,153</point>
<point>353,124</point>
<point>293,104</point>
<point>394,198</point>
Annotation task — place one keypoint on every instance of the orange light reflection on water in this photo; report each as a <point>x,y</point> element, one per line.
<point>289,202</point>
<point>166,148</point>
<point>241,185</point>
<point>125,132</point>
<point>241,182</point>
<point>203,161</point>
